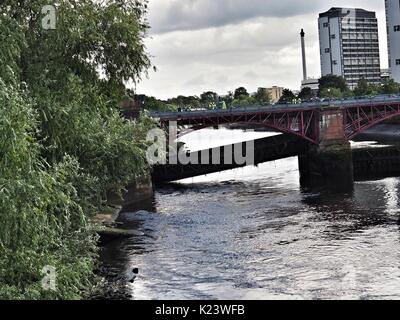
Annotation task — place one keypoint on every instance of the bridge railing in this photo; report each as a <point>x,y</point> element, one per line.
<point>282,107</point>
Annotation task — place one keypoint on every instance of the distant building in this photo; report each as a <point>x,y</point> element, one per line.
<point>275,93</point>
<point>393,32</point>
<point>385,74</point>
<point>349,45</point>
<point>311,83</point>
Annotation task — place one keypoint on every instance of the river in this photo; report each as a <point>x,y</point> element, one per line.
<point>254,233</point>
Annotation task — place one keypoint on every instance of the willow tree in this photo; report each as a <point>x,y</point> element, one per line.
<point>64,144</point>
<point>77,74</point>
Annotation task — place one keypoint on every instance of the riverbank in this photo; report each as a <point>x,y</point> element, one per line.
<point>114,232</point>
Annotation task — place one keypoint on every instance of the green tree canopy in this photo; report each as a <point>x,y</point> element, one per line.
<point>240,93</point>
<point>331,93</point>
<point>244,101</point>
<point>390,87</point>
<point>332,81</point>
<point>364,88</point>
<point>64,143</point>
<point>287,96</point>
<point>306,94</point>
<point>101,43</point>
<point>190,102</point>
<point>154,104</point>
<point>262,96</point>
<point>208,97</point>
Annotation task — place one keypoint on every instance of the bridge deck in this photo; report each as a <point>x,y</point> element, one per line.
<point>344,103</point>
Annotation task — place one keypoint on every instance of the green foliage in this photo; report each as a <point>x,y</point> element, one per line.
<point>262,96</point>
<point>208,97</point>
<point>153,104</point>
<point>331,93</point>
<point>44,218</point>
<point>89,39</point>
<point>365,89</point>
<point>85,126</point>
<point>64,145</point>
<point>390,87</point>
<point>332,81</point>
<point>12,42</point>
<point>228,98</point>
<point>240,93</point>
<point>334,87</point>
<point>191,102</point>
<point>306,94</point>
<point>244,101</point>
<point>287,96</point>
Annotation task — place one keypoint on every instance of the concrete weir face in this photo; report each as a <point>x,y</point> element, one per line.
<point>330,163</point>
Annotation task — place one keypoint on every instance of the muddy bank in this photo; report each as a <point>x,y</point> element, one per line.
<point>133,194</point>
<point>116,235</point>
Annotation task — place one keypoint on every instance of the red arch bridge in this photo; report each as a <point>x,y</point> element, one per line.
<point>317,132</point>
<point>314,122</point>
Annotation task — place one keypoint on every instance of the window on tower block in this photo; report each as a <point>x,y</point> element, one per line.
<point>397,62</point>
<point>396,28</point>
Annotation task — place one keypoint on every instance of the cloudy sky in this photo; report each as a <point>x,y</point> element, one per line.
<point>219,45</point>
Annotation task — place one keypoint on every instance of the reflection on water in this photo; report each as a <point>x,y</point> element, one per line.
<point>253,233</point>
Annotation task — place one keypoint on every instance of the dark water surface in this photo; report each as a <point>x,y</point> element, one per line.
<point>253,233</point>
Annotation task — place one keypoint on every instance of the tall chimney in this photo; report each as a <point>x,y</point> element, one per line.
<point>303,52</point>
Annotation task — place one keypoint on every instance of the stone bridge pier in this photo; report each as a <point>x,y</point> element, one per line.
<point>330,162</point>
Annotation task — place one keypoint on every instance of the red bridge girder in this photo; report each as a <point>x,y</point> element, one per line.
<point>299,122</point>
<point>361,117</point>
<point>302,122</point>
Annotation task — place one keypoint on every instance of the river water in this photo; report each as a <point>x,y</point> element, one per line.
<point>254,233</point>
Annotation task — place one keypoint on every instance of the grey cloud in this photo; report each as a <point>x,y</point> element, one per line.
<point>196,81</point>
<point>167,16</point>
<point>222,44</point>
<point>175,15</point>
<point>234,45</point>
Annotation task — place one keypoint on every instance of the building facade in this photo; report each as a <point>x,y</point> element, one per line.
<point>393,32</point>
<point>385,75</point>
<point>275,93</point>
<point>311,83</point>
<point>349,45</point>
